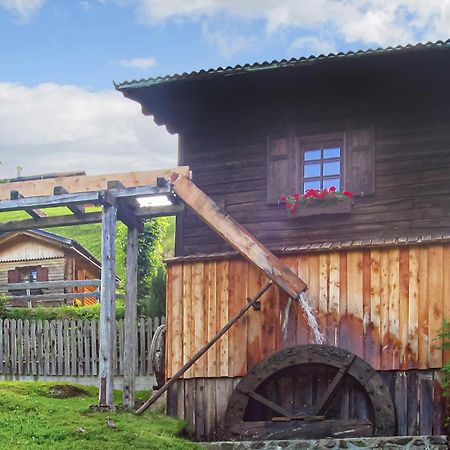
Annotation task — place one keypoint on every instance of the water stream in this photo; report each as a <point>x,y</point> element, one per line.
<point>312,322</point>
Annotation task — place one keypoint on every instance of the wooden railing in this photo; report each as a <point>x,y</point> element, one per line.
<point>67,291</point>
<point>67,347</point>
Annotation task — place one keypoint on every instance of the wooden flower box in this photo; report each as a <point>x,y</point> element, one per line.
<point>314,209</point>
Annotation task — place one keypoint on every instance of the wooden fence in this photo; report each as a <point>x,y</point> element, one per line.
<point>66,347</point>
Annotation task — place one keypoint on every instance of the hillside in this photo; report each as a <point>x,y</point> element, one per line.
<point>89,235</point>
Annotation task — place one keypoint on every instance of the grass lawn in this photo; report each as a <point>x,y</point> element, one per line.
<point>35,415</point>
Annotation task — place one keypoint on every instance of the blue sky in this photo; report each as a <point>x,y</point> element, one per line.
<point>58,108</point>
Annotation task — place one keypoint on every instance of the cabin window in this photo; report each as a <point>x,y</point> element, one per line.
<point>321,166</point>
<point>28,275</point>
<point>345,160</point>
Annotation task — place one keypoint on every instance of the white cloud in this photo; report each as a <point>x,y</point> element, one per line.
<point>24,9</point>
<point>313,45</point>
<point>370,22</point>
<point>139,63</point>
<point>54,127</point>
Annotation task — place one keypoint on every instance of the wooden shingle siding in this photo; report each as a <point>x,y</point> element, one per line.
<point>412,179</point>
<point>385,305</point>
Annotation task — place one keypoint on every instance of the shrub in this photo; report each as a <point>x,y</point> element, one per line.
<point>445,336</point>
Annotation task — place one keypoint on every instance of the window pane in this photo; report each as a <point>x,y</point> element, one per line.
<point>312,154</point>
<point>332,168</point>
<point>313,184</point>
<point>334,152</point>
<point>332,182</point>
<point>312,170</point>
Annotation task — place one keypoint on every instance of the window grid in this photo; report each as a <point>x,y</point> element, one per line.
<point>321,178</point>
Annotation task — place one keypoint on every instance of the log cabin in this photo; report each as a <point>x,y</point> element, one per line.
<point>375,123</point>
<point>37,255</point>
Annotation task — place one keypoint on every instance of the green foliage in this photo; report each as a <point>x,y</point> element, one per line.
<point>150,268</point>
<point>445,336</point>
<point>4,300</point>
<point>59,312</point>
<point>154,304</point>
<point>33,417</point>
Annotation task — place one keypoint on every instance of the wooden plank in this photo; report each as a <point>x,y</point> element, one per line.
<point>210,300</point>
<point>435,316</point>
<point>210,406</point>
<point>394,306</point>
<point>386,344</point>
<point>149,331</point>
<point>60,347</point>
<point>254,320</point>
<point>446,299</point>
<point>324,273</point>
<point>13,346</point>
<point>200,409</point>
<point>107,312</point>
<point>343,326</point>
<point>404,274</point>
<point>86,183</point>
<point>52,348</point>
<point>33,349</point>
<point>94,347</point>
<point>73,348</point>
<point>175,317</point>
<point>49,285</point>
<point>302,331</point>
<point>413,310</point>
<point>130,327</point>
<point>26,347</point>
<point>188,317</point>
<point>199,332</point>
<point>86,348</point>
<point>66,339</point>
<point>119,347</point>
<point>237,236</point>
<point>222,293</point>
<point>40,348</point>
<point>237,339</point>
<point>401,403</point>
<point>312,294</point>
<point>142,358</point>
<point>422,331</point>
<point>369,342</point>
<point>355,302</point>
<point>413,403</point>
<point>1,346</point>
<point>375,306</point>
<point>7,347</point>
<point>19,344</point>
<point>425,384</point>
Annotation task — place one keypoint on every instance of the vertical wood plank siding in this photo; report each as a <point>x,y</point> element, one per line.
<point>386,305</point>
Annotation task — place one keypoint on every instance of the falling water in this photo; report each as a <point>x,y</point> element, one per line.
<point>312,322</point>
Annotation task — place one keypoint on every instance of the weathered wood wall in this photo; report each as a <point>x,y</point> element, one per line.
<point>417,396</point>
<point>386,305</point>
<point>412,182</point>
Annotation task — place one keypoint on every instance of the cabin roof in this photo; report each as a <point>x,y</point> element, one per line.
<point>56,238</point>
<point>276,64</point>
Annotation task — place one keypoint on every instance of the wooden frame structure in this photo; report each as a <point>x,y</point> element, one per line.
<point>117,195</point>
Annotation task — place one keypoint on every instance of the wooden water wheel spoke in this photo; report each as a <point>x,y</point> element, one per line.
<point>307,381</point>
<point>266,402</point>
<point>333,387</point>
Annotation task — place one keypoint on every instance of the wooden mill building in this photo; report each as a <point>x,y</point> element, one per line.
<point>376,123</point>
<point>37,255</point>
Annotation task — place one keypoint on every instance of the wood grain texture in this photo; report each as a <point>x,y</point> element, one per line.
<point>385,305</point>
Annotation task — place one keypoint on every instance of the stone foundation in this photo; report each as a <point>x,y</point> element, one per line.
<point>388,443</point>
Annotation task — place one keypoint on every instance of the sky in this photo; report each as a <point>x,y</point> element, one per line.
<point>60,112</point>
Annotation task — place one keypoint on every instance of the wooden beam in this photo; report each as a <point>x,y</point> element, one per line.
<point>130,325</point>
<point>87,183</point>
<point>237,236</point>
<point>90,217</point>
<point>78,210</point>
<point>51,201</point>
<point>49,285</point>
<point>51,297</point>
<point>107,332</point>
<point>34,213</point>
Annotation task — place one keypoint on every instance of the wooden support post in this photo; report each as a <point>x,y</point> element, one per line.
<point>107,310</point>
<point>130,338</point>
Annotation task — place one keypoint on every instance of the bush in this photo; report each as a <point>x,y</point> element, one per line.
<point>445,336</point>
<point>59,312</point>
<point>154,304</point>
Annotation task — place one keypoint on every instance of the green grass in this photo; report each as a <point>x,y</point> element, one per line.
<point>31,417</point>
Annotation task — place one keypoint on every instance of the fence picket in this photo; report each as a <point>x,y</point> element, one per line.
<point>63,347</point>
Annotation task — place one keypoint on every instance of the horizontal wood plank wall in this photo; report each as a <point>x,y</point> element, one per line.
<point>417,396</point>
<point>411,195</point>
<point>386,305</point>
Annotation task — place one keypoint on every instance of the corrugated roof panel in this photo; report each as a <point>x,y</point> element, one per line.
<point>266,65</point>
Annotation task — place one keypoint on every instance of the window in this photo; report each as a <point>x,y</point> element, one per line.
<point>321,165</point>
<point>345,160</point>
<point>28,275</point>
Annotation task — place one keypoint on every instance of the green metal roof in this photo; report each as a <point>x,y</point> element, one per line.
<point>293,62</point>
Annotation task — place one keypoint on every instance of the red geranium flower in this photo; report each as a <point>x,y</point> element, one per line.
<point>347,194</point>
<point>332,189</point>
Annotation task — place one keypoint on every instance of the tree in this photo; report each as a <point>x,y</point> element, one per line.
<point>150,268</point>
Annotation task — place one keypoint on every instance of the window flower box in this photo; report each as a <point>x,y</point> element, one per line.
<point>318,202</point>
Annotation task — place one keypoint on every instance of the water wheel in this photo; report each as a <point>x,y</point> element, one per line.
<point>310,392</point>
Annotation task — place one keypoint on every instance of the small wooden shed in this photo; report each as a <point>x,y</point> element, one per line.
<point>38,255</point>
<point>376,123</point>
